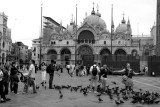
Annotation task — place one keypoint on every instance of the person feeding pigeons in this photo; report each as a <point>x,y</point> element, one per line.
<point>127,78</point>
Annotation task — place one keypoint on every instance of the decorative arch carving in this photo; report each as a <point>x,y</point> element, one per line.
<point>87,28</point>
<point>85,50</point>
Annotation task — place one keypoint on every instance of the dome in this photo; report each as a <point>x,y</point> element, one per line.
<point>123,27</point>
<point>95,20</point>
<point>98,14</point>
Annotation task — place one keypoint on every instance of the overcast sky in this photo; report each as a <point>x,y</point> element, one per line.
<point>24,15</point>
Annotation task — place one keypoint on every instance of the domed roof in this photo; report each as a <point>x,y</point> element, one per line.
<point>123,27</point>
<point>95,20</point>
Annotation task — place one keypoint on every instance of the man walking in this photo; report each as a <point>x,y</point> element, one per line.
<point>31,75</point>
<point>94,71</point>
<point>50,70</point>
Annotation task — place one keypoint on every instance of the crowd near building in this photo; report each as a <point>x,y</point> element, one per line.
<point>92,39</point>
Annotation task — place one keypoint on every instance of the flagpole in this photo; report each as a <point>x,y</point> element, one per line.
<point>76,36</point>
<point>40,51</point>
<point>111,26</point>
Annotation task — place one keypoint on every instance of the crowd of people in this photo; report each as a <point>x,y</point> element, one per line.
<point>9,78</point>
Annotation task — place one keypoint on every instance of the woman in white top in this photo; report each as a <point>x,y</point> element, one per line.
<point>43,74</point>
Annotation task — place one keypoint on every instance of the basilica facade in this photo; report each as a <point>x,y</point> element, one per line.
<point>91,40</point>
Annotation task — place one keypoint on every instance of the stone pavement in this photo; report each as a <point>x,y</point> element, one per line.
<point>50,97</point>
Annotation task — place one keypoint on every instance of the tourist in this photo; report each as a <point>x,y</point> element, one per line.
<point>31,75</point>
<point>2,95</point>
<point>127,78</point>
<point>43,69</point>
<point>88,67</point>
<point>94,71</point>
<point>84,71</point>
<point>68,68</point>
<point>104,73</point>
<point>50,70</point>
<point>6,80</point>
<point>72,68</point>
<point>14,78</point>
<point>77,69</point>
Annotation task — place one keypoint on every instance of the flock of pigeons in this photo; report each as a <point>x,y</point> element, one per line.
<point>117,94</point>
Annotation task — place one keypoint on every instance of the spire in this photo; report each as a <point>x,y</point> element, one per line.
<point>123,20</point>
<point>128,23</point>
<point>93,12</point>
<point>71,20</point>
<point>98,14</point>
<point>86,14</point>
<point>112,23</point>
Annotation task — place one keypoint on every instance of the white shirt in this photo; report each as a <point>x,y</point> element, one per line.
<point>1,75</point>
<point>32,70</point>
<point>92,69</point>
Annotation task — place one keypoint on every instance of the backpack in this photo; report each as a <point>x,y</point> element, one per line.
<point>94,71</point>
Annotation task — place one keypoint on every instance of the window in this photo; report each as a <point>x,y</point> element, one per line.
<point>34,41</point>
<point>67,42</point>
<point>54,42</point>
<point>38,55</point>
<point>104,42</point>
<point>51,43</point>
<point>119,42</point>
<point>34,54</point>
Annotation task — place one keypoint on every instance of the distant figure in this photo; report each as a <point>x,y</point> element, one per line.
<point>68,68</point>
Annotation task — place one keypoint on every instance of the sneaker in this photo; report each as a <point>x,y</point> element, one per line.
<point>3,101</point>
<point>95,92</point>
<point>89,91</point>
<point>7,99</point>
<point>16,93</point>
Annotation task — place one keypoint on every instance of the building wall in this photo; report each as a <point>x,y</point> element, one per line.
<point>5,39</point>
<point>158,28</point>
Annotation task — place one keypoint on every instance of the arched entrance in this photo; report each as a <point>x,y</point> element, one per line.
<point>52,55</point>
<point>86,55</point>
<point>134,52</point>
<point>120,52</point>
<point>105,54</point>
<point>65,56</point>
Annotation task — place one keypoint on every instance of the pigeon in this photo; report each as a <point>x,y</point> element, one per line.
<point>61,96</point>
<point>121,101</point>
<point>98,95</point>
<point>114,82</point>
<point>99,99</point>
<point>118,103</point>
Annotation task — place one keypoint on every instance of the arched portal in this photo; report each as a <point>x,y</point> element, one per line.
<point>86,55</point>
<point>86,36</point>
<point>120,52</point>
<point>52,54</point>
<point>105,54</point>
<point>65,56</point>
<point>134,52</point>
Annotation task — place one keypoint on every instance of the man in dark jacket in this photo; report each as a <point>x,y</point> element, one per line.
<point>50,70</point>
<point>13,76</point>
